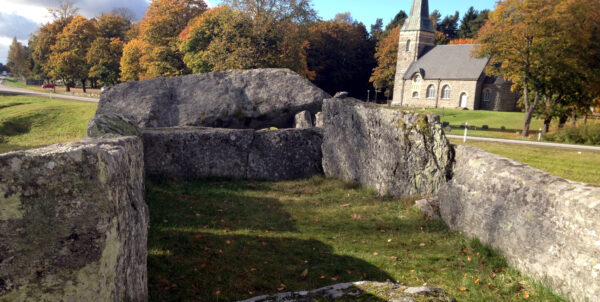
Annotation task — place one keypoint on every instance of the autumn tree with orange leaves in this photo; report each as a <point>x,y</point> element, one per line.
<point>549,49</point>
<point>154,52</point>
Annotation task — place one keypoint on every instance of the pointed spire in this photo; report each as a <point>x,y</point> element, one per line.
<point>419,17</point>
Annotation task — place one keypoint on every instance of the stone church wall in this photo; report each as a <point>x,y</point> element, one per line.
<point>73,222</point>
<point>457,88</point>
<point>545,226</point>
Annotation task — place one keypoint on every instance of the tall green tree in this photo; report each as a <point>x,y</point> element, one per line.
<point>68,58</point>
<point>18,58</point>
<point>103,59</point>
<point>342,55</point>
<point>158,37</point>
<point>471,23</point>
<point>449,26</point>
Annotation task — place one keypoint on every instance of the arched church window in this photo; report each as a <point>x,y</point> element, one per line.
<point>446,92</point>
<point>415,95</point>
<point>408,45</point>
<point>431,92</point>
<point>417,79</point>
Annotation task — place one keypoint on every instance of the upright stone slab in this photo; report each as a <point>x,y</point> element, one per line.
<point>546,226</point>
<point>396,152</point>
<point>251,99</point>
<point>285,154</point>
<point>191,153</point>
<point>73,222</point>
<point>303,120</point>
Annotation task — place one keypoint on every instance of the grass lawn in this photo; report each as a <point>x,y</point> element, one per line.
<point>577,165</point>
<point>14,82</point>
<point>230,240</point>
<point>28,122</point>
<point>512,121</point>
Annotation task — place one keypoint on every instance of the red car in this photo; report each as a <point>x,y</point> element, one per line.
<point>48,85</point>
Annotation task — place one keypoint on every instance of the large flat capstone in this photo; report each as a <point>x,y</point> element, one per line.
<point>251,99</point>
<point>190,153</point>
<point>546,226</point>
<point>399,153</point>
<point>73,222</point>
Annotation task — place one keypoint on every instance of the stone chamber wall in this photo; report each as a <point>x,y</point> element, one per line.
<point>398,153</point>
<point>73,222</point>
<point>191,153</point>
<point>546,226</point>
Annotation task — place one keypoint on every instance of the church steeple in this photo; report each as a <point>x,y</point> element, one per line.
<point>419,17</point>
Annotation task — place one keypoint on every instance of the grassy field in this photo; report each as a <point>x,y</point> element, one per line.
<point>571,164</point>
<point>225,241</point>
<point>511,121</point>
<point>27,122</point>
<point>14,82</point>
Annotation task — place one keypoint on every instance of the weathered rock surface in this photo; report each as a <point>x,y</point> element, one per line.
<point>189,153</point>
<point>303,120</point>
<point>73,222</point>
<point>361,291</point>
<point>319,120</point>
<point>546,226</point>
<point>112,124</point>
<point>429,206</point>
<point>398,153</point>
<point>252,99</point>
<point>341,95</point>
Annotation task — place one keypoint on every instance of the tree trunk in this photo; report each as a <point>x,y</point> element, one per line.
<point>574,118</point>
<point>83,85</point>
<point>67,87</point>
<point>562,121</point>
<point>547,122</point>
<point>585,117</point>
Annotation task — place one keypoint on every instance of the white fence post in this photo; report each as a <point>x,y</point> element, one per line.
<point>466,128</point>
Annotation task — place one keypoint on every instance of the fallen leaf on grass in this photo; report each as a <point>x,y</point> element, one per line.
<point>525,295</point>
<point>335,278</point>
<point>322,277</point>
<point>469,258</point>
<point>316,219</point>
<point>228,242</point>
<point>462,288</point>
<point>375,253</point>
<point>389,240</point>
<point>346,205</point>
<point>477,281</point>
<point>218,292</point>
<point>304,274</point>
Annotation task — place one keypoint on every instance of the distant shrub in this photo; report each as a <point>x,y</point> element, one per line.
<point>586,134</point>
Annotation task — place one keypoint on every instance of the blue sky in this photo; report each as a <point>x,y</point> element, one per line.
<point>368,11</point>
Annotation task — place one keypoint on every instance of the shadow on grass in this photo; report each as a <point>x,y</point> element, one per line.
<point>11,105</point>
<point>17,125</point>
<point>217,205</point>
<point>186,266</point>
<point>200,248</point>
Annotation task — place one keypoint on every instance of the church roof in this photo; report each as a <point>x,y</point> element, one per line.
<point>419,17</point>
<point>448,62</point>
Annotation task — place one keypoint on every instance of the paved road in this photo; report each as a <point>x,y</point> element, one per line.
<point>529,143</point>
<point>14,90</point>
